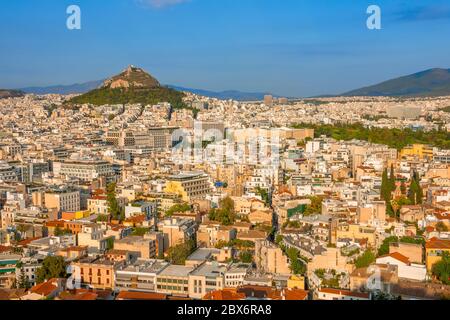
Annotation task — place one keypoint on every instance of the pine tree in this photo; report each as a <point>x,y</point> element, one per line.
<point>392,179</point>
<point>384,179</point>
<point>412,194</point>
<point>415,194</point>
<point>23,282</point>
<point>113,205</point>
<point>385,186</point>
<point>419,195</point>
<point>403,188</point>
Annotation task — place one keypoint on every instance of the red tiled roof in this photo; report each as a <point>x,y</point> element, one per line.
<point>10,294</point>
<point>140,218</point>
<point>225,294</point>
<point>56,223</point>
<point>4,249</point>
<point>398,256</point>
<point>75,248</point>
<point>98,198</point>
<point>27,241</point>
<point>45,288</point>
<point>345,293</point>
<point>79,295</point>
<point>442,215</point>
<point>438,244</point>
<point>296,294</point>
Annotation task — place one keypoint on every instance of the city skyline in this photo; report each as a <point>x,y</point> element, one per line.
<point>301,48</point>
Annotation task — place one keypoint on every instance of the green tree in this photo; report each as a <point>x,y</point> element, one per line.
<point>264,196</point>
<point>394,138</point>
<point>102,218</point>
<point>385,191</point>
<point>387,187</point>
<point>441,269</point>
<point>23,282</point>
<point>178,254</point>
<point>315,207</point>
<point>279,239</point>
<point>62,232</point>
<point>297,266</point>
<point>415,194</point>
<point>246,257</point>
<point>183,207</point>
<point>113,206</point>
<point>225,214</point>
<point>140,231</point>
<point>365,260</point>
<point>384,248</point>
<point>52,267</point>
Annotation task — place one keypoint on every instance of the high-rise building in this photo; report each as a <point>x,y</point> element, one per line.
<point>268,100</point>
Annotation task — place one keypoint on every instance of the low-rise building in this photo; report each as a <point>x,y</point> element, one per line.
<point>174,280</point>
<point>338,294</point>
<point>139,276</point>
<point>434,250</point>
<point>97,273</point>
<point>145,247</point>
<point>208,277</point>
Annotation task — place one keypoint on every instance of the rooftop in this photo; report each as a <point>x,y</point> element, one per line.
<point>202,254</point>
<point>210,270</point>
<point>145,266</point>
<point>176,271</point>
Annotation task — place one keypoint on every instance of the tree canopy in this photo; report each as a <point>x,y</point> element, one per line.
<point>297,266</point>
<point>178,254</point>
<point>315,207</point>
<point>116,212</point>
<point>415,194</point>
<point>182,207</point>
<point>394,138</point>
<point>365,260</point>
<point>441,269</point>
<point>225,214</point>
<point>384,248</point>
<point>52,267</point>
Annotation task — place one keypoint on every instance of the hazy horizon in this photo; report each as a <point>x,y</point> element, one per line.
<point>296,48</point>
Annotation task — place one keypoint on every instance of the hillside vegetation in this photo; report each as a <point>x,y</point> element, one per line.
<point>151,96</point>
<point>395,138</point>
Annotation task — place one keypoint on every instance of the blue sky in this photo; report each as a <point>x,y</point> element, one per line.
<point>288,47</point>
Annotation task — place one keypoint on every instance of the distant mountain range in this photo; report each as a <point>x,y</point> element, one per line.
<point>81,88</point>
<point>228,94</point>
<point>10,93</point>
<point>432,82</point>
<point>69,89</point>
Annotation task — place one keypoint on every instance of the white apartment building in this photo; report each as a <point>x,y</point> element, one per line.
<point>85,170</point>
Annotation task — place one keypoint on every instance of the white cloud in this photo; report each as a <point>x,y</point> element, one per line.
<point>162,3</point>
